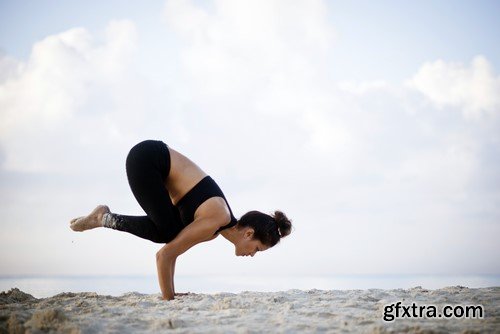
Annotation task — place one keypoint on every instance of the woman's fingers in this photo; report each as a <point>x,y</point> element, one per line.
<point>183,293</point>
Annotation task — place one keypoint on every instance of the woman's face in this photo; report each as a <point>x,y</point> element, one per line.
<point>247,246</point>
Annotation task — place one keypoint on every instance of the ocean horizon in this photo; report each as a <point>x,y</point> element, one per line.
<point>116,285</point>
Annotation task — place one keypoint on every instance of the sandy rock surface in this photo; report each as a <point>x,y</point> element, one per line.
<point>292,311</point>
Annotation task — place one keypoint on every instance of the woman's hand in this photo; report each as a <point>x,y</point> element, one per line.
<point>183,293</point>
<point>198,231</point>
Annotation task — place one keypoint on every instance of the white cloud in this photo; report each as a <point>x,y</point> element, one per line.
<point>50,96</point>
<point>473,89</point>
<point>360,88</point>
<point>254,69</point>
<point>9,67</point>
<point>249,45</point>
<point>366,154</point>
<point>362,168</point>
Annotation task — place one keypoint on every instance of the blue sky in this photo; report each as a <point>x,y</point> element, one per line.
<point>398,36</point>
<point>373,125</point>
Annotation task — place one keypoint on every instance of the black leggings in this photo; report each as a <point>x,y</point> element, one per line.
<point>148,165</point>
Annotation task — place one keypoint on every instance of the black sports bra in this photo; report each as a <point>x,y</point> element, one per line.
<point>203,190</point>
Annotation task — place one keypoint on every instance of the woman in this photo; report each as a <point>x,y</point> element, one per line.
<point>184,207</point>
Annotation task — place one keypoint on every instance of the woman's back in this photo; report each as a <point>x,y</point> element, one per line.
<point>183,176</point>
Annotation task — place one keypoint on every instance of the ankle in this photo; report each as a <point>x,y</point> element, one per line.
<point>108,220</point>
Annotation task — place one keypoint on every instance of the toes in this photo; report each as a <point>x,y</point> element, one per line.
<point>74,220</point>
<point>74,224</point>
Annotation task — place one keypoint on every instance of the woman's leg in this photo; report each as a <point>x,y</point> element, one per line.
<point>140,226</point>
<point>148,165</point>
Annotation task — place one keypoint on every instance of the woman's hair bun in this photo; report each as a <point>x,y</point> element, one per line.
<point>284,224</point>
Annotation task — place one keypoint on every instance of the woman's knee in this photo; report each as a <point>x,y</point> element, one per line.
<point>138,152</point>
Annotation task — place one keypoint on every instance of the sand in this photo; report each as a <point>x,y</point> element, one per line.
<point>292,311</point>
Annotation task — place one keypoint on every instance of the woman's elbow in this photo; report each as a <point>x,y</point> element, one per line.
<point>158,255</point>
<point>165,253</point>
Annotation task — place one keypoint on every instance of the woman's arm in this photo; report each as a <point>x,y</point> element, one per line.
<point>173,275</point>
<point>164,265</point>
<point>196,232</point>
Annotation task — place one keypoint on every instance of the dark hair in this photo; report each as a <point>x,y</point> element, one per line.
<point>267,229</point>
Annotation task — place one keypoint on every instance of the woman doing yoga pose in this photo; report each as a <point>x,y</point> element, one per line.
<point>184,207</point>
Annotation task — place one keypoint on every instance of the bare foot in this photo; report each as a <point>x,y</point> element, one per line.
<point>93,220</point>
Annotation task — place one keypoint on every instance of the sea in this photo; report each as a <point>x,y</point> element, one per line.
<point>46,286</point>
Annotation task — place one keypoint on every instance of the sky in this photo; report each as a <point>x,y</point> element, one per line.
<point>373,125</point>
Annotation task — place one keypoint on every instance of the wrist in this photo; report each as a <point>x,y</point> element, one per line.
<point>168,297</point>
